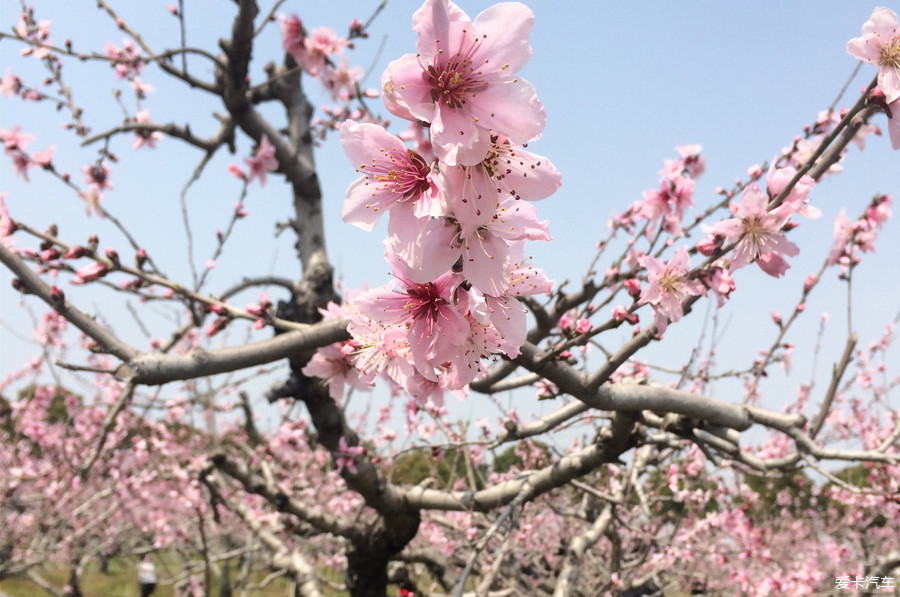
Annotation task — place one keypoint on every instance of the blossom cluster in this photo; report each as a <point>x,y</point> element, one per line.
<point>853,238</point>
<point>313,51</point>
<point>459,207</point>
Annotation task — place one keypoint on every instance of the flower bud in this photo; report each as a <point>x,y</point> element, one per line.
<point>57,295</point>
<point>877,98</point>
<point>76,252</point>
<point>112,256</point>
<point>140,258</point>
<point>809,282</point>
<point>633,286</point>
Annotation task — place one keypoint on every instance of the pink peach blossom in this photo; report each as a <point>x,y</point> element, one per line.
<point>880,45</point>
<point>264,161</point>
<point>755,230</point>
<point>462,80</point>
<point>668,287</point>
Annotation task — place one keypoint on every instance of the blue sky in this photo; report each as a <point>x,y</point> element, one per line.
<point>622,84</point>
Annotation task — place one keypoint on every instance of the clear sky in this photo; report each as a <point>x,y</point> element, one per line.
<point>623,83</point>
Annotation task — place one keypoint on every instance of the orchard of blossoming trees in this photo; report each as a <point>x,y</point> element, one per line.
<point>318,438</point>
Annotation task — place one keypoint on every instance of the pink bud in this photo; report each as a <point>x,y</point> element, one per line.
<point>236,171</point>
<point>633,286</point>
<point>619,313</point>
<point>219,309</point>
<point>92,272</point>
<point>75,252</point>
<point>50,254</point>
<point>18,284</point>
<point>801,307</point>
<point>57,295</point>
<point>583,326</point>
<point>809,282</point>
<point>709,245</point>
<point>215,327</point>
<point>776,317</point>
<point>877,98</point>
<point>254,309</point>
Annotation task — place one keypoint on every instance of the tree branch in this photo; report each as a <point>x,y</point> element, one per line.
<point>156,369</point>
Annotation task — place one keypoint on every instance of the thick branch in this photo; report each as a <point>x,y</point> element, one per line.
<point>156,368</point>
<point>614,440</point>
<point>631,397</point>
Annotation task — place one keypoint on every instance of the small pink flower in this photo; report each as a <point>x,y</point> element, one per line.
<point>97,174</point>
<point>10,85</point>
<point>141,87</point>
<point>43,158</point>
<point>292,36</point>
<point>15,139</point>
<point>92,198</point>
<point>145,136</point>
<point>264,161</point>
<point>321,43</point>
<point>668,286</point>
<point>341,81</point>
<point>720,281</point>
<point>756,230</point>
<point>619,312</point>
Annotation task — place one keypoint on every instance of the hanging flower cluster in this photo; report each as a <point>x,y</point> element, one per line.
<point>459,207</point>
